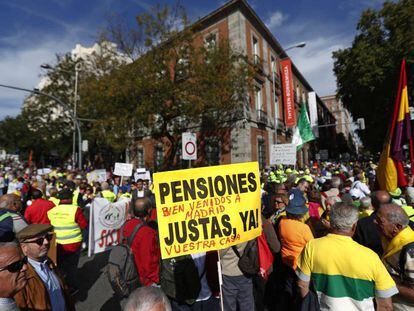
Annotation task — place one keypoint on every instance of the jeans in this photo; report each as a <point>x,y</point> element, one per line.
<point>237,293</point>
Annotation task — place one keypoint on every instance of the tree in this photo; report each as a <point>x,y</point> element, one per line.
<point>16,137</point>
<point>175,82</point>
<point>367,72</point>
<point>46,118</point>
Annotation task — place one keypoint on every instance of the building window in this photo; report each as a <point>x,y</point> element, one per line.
<point>258,97</point>
<point>256,53</point>
<point>297,95</point>
<point>273,65</point>
<point>210,40</point>
<point>158,156</point>
<point>261,153</point>
<point>212,150</point>
<point>140,157</point>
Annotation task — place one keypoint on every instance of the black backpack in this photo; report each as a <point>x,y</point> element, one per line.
<point>180,279</point>
<point>121,270</point>
<point>249,260</point>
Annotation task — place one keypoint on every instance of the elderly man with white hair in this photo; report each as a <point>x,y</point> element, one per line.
<point>147,299</point>
<point>398,257</point>
<point>365,208</point>
<point>346,275</point>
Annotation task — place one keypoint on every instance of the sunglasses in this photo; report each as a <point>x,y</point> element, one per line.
<point>41,240</point>
<point>15,266</point>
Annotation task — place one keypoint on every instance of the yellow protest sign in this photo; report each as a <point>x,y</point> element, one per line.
<point>209,208</point>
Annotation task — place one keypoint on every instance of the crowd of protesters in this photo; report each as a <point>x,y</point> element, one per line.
<point>337,243</point>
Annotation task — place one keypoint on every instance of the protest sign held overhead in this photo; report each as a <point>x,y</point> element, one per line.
<point>123,169</point>
<point>97,175</point>
<point>283,154</point>
<point>205,209</point>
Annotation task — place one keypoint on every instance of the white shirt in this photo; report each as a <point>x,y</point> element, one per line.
<point>8,304</point>
<point>359,189</point>
<point>200,262</point>
<point>51,282</point>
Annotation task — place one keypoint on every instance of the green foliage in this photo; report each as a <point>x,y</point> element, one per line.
<point>174,83</point>
<point>367,72</point>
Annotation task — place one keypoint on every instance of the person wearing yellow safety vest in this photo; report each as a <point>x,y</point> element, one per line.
<point>53,196</point>
<point>68,222</point>
<point>13,205</point>
<point>106,193</point>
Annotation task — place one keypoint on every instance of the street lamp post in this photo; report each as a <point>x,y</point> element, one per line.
<point>61,103</point>
<point>297,45</point>
<point>75,100</point>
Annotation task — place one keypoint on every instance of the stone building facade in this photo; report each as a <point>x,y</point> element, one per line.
<point>263,124</point>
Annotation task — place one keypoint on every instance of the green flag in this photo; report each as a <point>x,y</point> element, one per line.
<point>303,132</point>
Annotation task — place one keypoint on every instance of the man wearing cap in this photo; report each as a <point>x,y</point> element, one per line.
<point>45,289</point>
<point>68,222</point>
<point>294,235</point>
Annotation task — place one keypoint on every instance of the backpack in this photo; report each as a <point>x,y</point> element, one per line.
<point>265,254</point>
<point>121,270</point>
<point>6,226</point>
<point>249,260</point>
<point>407,250</point>
<point>180,280</point>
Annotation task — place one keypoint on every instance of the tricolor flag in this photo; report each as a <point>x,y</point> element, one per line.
<point>390,170</point>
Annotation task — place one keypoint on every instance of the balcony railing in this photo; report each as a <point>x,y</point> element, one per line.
<point>261,116</point>
<point>277,84</point>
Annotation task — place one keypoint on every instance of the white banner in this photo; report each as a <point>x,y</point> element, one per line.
<point>96,175</point>
<point>313,113</point>
<point>142,173</point>
<point>44,171</point>
<point>123,169</point>
<point>105,224</point>
<point>189,146</point>
<point>283,154</point>
<point>324,154</point>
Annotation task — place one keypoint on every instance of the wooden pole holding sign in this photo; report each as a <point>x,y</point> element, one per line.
<point>220,277</point>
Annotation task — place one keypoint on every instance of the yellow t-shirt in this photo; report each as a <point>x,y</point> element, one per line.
<point>346,274</point>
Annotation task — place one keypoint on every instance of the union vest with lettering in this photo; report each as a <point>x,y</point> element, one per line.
<point>62,218</point>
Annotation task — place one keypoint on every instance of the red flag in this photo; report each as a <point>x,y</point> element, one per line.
<point>391,169</point>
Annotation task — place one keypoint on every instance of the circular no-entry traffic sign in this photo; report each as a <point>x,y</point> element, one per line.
<point>190,148</point>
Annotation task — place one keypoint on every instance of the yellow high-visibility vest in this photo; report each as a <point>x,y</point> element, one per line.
<point>109,195</point>
<point>126,195</point>
<point>75,197</point>
<point>54,200</point>
<point>62,218</point>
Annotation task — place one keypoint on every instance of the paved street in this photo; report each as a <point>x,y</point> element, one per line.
<point>95,291</point>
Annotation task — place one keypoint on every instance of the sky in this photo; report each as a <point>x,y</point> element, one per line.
<point>33,32</point>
